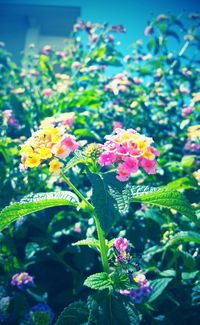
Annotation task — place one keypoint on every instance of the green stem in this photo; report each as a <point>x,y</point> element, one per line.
<point>101,237</point>
<point>103,246</point>
<point>78,193</point>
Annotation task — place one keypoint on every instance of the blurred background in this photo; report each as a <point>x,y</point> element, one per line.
<point>41,22</point>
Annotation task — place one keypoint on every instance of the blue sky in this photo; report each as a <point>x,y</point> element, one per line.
<point>133,14</point>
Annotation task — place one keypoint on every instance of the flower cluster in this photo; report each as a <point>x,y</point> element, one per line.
<point>138,287</point>
<point>187,110</point>
<point>22,280</point>
<point>58,120</point>
<point>39,314</point>
<point>140,293</point>
<point>194,132</point>
<point>130,150</point>
<point>8,118</point>
<point>119,83</point>
<point>49,142</point>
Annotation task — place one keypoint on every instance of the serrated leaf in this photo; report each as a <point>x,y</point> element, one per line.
<point>184,236</point>
<point>182,183</point>
<point>106,206</point>
<point>158,287</point>
<point>87,242</point>
<point>165,197</point>
<point>112,309</point>
<point>75,313</point>
<point>36,202</point>
<point>98,281</point>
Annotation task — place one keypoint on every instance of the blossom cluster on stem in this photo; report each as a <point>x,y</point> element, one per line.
<point>22,280</point>
<point>130,150</point>
<point>142,288</point>
<point>52,141</point>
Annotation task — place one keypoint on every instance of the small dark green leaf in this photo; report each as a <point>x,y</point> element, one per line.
<point>98,281</point>
<point>184,236</point>
<point>158,286</point>
<point>189,275</point>
<point>112,310</point>
<point>87,242</point>
<point>75,313</point>
<point>168,273</point>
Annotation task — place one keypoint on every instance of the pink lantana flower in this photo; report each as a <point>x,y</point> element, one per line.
<point>131,164</point>
<point>70,143</point>
<point>123,174</point>
<point>47,92</point>
<point>117,125</point>
<point>107,158</point>
<point>61,151</point>
<point>121,244</point>
<point>149,165</point>
<point>187,110</point>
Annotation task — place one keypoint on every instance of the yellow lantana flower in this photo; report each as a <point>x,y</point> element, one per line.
<point>194,132</point>
<point>44,153</point>
<point>26,150</point>
<point>196,97</point>
<point>55,166</point>
<point>149,155</point>
<point>33,161</point>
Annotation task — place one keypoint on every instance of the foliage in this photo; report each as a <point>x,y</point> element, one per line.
<point>155,91</point>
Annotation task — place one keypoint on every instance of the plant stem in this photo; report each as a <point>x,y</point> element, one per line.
<point>78,193</point>
<point>103,246</point>
<point>101,237</point>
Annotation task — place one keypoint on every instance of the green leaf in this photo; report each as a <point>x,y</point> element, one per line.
<point>153,45</point>
<point>163,197</point>
<point>184,236</point>
<point>168,273</point>
<point>112,310</point>
<point>188,260</point>
<point>98,281</point>
<point>106,207</point>
<point>75,313</point>
<point>36,202</point>
<point>158,286</point>
<point>150,252</point>
<point>187,161</point>
<point>87,242</point>
<point>189,275</point>
<point>182,183</point>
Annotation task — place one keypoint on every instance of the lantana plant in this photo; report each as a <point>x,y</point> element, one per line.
<point>110,168</point>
